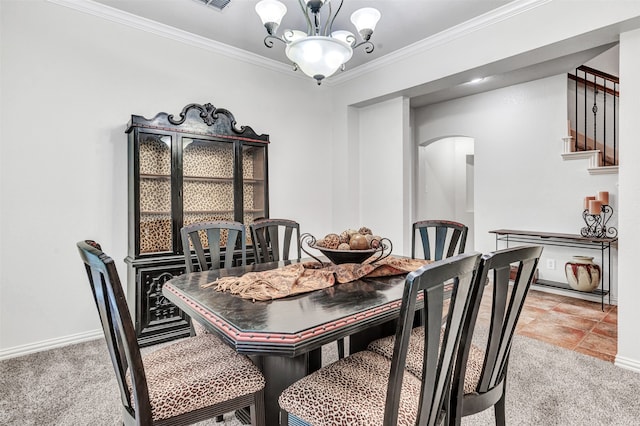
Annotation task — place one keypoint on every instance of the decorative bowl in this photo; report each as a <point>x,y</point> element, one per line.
<point>347,256</point>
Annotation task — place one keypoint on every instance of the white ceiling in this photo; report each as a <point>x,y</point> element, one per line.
<point>403,23</point>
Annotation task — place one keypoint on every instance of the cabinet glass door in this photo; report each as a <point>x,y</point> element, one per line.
<point>154,153</point>
<point>207,186</point>
<point>254,182</point>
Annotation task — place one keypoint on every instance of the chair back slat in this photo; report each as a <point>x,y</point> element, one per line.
<point>441,235</point>
<point>500,296</point>
<point>213,239</point>
<point>287,242</point>
<point>439,238</point>
<point>438,357</point>
<point>504,327</point>
<point>431,361</point>
<point>260,245</point>
<point>216,249</point>
<point>118,329</point>
<point>273,239</point>
<point>426,247</point>
<point>275,242</point>
<point>455,237</point>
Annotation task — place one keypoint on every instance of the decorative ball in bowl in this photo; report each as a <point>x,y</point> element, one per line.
<point>350,246</point>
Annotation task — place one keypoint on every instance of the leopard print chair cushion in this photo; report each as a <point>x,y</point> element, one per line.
<point>351,391</point>
<point>195,373</point>
<point>415,353</point>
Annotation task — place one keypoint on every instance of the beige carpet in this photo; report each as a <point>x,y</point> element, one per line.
<point>75,385</point>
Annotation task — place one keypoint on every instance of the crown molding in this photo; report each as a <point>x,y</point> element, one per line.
<point>502,13</point>
<point>115,15</point>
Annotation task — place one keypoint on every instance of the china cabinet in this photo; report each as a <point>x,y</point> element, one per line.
<point>192,168</point>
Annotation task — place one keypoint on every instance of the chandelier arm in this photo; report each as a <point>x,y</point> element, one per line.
<point>330,26</point>
<point>268,40</point>
<point>306,15</point>
<point>351,41</point>
<point>326,24</point>
<point>368,46</point>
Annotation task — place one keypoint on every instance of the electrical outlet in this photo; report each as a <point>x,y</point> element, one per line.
<point>551,264</point>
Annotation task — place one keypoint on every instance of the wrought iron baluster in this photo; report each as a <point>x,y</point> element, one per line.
<point>575,140</point>
<point>584,148</point>
<point>604,120</point>
<point>615,90</point>
<point>594,109</point>
<point>589,79</point>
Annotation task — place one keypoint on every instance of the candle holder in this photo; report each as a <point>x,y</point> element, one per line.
<point>597,223</point>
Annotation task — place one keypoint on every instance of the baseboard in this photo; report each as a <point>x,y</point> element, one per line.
<point>627,363</point>
<point>45,345</point>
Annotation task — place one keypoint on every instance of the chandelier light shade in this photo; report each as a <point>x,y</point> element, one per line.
<point>365,21</point>
<point>318,52</point>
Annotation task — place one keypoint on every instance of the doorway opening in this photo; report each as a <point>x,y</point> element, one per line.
<point>445,188</point>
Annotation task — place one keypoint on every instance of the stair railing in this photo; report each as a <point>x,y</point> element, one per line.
<point>599,89</point>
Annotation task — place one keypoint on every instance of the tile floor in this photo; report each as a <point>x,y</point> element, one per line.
<point>565,321</point>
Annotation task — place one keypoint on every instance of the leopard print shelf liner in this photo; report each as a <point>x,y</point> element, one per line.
<point>199,160</point>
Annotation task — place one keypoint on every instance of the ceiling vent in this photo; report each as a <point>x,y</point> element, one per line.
<point>216,4</point>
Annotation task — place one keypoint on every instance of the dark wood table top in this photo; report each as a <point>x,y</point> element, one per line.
<point>288,326</point>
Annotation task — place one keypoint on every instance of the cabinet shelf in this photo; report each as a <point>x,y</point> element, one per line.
<point>154,176</point>
<point>168,213</point>
<point>200,178</point>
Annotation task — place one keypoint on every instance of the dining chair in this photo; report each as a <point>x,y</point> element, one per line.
<point>272,239</point>
<point>192,380</point>
<point>214,244</point>
<point>440,238</point>
<point>367,388</point>
<point>480,376</point>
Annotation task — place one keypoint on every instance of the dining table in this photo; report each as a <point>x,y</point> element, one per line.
<point>284,337</point>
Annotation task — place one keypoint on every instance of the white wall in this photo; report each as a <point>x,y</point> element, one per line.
<point>70,82</point>
<point>629,296</point>
<point>521,181</point>
<point>450,59</point>
<point>436,180</point>
<point>385,188</point>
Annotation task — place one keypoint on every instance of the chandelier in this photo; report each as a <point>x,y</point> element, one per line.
<point>318,53</point>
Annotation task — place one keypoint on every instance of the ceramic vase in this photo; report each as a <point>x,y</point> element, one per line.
<point>582,273</point>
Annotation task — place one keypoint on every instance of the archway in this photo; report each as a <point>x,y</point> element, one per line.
<point>445,188</point>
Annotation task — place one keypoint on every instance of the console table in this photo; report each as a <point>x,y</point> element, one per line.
<point>565,240</point>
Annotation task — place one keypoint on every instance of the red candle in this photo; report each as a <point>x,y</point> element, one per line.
<point>603,197</point>
<point>595,206</point>
<point>586,201</point>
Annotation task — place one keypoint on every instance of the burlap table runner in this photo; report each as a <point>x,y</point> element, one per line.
<point>304,277</point>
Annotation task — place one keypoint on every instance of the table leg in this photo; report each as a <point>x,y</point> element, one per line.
<point>360,340</point>
<point>280,372</point>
